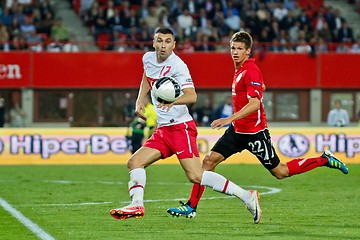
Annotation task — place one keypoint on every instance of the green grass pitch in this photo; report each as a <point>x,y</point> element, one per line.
<point>73,202</point>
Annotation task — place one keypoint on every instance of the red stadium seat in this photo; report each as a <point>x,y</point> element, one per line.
<point>103,40</point>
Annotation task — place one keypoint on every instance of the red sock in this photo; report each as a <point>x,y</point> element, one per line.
<point>196,193</point>
<point>301,165</point>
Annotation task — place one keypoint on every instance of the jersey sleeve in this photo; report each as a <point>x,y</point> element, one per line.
<point>145,58</point>
<point>254,83</point>
<point>183,76</point>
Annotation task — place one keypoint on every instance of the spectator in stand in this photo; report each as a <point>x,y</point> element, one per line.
<point>18,44</point>
<point>355,48</point>
<point>290,4</point>
<point>319,19</point>
<point>101,24</point>
<point>294,32</point>
<point>303,47</point>
<point>27,28</point>
<point>45,8</point>
<point>14,29</point>
<point>187,46</point>
<point>288,47</point>
<point>338,116</point>
<point>345,33</point>
<point>288,21</point>
<point>143,10</point>
<point>304,19</point>
<point>225,109</point>
<point>159,5</point>
<point>193,6</point>
<point>280,11</point>
<point>146,39</point>
<point>253,23</point>
<point>262,12</point>
<point>126,16</point>
<point>134,37</point>
<point>90,15</point>
<point>17,12</point>
<point>204,113</point>
<point>201,18</point>
<point>232,20</point>
<point>44,26</point>
<point>321,45</point>
<point>264,38</point>
<point>34,41</point>
<point>129,109</point>
<point>132,21</point>
<point>58,29</point>
<point>4,32</point>
<point>55,45</point>
<point>343,47</point>
<point>152,21</point>
<point>5,45</point>
<point>185,21</point>
<point>164,18</point>
<point>36,17</point>
<point>203,43</point>
<point>117,42</point>
<point>6,17</point>
<point>276,46</point>
<point>335,21</point>
<point>71,46</point>
<point>17,116</point>
<point>206,30</point>
<point>2,112</point>
<point>110,9</point>
<point>116,22</point>
<point>325,33</point>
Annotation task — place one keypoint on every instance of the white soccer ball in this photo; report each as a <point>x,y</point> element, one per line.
<point>166,90</point>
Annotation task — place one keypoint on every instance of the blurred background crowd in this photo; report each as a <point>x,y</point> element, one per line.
<point>199,25</point>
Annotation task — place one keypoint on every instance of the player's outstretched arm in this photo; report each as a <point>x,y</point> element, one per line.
<point>252,106</point>
<point>140,101</point>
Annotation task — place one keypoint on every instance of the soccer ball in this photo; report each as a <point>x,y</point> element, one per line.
<point>166,90</point>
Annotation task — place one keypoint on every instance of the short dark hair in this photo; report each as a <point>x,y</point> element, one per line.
<point>165,30</point>
<point>244,37</point>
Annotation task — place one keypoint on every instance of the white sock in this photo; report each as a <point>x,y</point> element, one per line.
<point>223,185</point>
<point>137,185</point>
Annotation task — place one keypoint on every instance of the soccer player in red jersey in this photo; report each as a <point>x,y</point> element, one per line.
<point>175,133</point>
<point>249,129</point>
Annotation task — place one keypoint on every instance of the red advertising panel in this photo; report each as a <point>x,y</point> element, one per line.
<point>209,70</point>
<point>15,71</point>
<point>340,70</point>
<point>288,70</point>
<point>87,70</point>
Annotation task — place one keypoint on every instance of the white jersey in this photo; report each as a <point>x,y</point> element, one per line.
<point>174,67</point>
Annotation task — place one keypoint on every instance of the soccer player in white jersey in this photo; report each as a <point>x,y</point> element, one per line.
<point>176,132</point>
<point>249,129</point>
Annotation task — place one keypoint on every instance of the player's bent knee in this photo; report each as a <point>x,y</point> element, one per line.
<point>132,164</point>
<point>280,172</point>
<point>208,164</point>
<point>194,178</point>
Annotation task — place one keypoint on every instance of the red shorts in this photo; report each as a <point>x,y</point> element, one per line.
<point>179,139</point>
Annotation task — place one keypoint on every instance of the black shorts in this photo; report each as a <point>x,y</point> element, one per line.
<point>258,144</point>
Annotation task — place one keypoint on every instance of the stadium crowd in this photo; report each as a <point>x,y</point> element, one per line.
<point>32,25</point>
<point>199,25</point>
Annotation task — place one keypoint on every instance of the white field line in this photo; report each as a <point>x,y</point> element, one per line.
<point>25,221</point>
<point>270,190</point>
